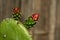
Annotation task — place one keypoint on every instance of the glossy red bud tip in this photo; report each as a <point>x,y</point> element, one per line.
<point>35,16</point>
<point>16,10</point>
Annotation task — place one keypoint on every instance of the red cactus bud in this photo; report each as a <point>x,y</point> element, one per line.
<point>35,16</point>
<point>16,10</point>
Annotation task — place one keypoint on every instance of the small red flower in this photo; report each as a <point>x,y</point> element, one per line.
<point>16,10</point>
<point>35,16</point>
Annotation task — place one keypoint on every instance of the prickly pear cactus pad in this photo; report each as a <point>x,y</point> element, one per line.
<point>13,29</point>
<point>10,29</point>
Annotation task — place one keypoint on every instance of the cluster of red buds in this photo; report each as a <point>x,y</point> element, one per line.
<point>30,21</point>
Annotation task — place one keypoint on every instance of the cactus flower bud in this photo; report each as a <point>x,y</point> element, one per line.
<point>16,10</point>
<point>35,16</point>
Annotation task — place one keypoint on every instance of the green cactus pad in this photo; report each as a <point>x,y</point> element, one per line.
<point>11,30</point>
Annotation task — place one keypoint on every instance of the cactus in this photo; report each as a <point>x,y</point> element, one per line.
<point>14,29</point>
<point>11,29</point>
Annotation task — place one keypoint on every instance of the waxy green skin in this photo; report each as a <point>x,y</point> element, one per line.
<point>10,29</point>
